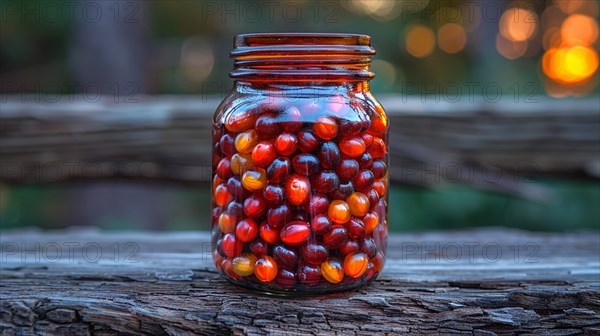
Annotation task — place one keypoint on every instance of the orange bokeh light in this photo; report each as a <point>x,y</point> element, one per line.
<point>518,24</point>
<point>420,40</point>
<point>452,38</point>
<point>510,49</point>
<point>579,29</point>
<point>570,65</point>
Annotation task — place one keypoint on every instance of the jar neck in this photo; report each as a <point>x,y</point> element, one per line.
<point>306,88</point>
<point>302,58</point>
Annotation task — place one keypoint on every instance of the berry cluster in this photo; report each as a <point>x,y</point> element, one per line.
<point>299,194</point>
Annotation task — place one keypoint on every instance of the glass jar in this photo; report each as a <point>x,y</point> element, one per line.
<point>300,186</point>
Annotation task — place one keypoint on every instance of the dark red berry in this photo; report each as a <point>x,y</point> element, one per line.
<point>279,215</point>
<point>305,164</point>
<point>227,144</point>
<point>356,228</point>
<point>307,141</point>
<point>336,237</point>
<point>364,180</point>
<point>329,155</point>
<point>273,193</point>
<point>347,169</point>
<point>266,126</point>
<point>379,169</point>
<point>365,161</point>
<point>343,191</point>
<point>314,253</point>
<point>325,181</point>
<point>285,256</point>
<point>320,224</point>
<point>279,170</point>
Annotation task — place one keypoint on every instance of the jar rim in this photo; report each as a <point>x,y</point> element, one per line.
<point>286,55</point>
<point>297,38</point>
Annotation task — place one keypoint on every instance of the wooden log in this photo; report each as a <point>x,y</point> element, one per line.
<point>168,138</point>
<point>481,282</point>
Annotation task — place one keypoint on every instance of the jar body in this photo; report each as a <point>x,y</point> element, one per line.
<point>300,187</point>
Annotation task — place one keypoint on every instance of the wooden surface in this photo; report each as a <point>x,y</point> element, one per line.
<point>483,282</point>
<point>431,143</point>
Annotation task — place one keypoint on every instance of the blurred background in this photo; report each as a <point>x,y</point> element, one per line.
<point>436,59</point>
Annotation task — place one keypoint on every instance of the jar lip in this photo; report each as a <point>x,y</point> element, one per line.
<point>250,39</point>
<point>334,43</point>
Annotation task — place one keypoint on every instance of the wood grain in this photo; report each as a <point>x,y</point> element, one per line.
<point>481,282</point>
<point>167,138</point>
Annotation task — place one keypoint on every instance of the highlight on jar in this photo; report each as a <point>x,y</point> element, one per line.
<point>300,167</point>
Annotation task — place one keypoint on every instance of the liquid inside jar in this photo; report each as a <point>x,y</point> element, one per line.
<point>300,184</point>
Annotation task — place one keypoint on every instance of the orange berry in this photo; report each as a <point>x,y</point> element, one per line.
<point>227,222</point>
<point>339,212</point>
<point>255,179</point>
<point>325,128</point>
<point>245,141</point>
<point>265,269</point>
<point>378,148</point>
<point>359,204</point>
<point>244,264</point>
<point>241,162</point>
<point>332,271</point>
<point>353,146</point>
<point>371,221</point>
<point>355,264</point>
<point>380,187</point>
<point>222,196</point>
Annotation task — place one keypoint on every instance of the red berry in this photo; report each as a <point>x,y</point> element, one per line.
<point>336,237</point>
<point>273,193</point>
<point>291,119</point>
<point>259,247</point>
<point>329,155</point>
<point>365,161</point>
<point>263,154</point>
<point>347,169</point>
<point>246,230</point>
<point>266,126</point>
<point>286,144</point>
<point>314,253</point>
<point>325,128</point>
<point>352,146</point>
<point>307,142</point>
<point>351,246</point>
<point>255,205</point>
<point>227,144</point>
<point>378,149</point>
<point>309,275</point>
<point>320,224</point>
<point>295,233</point>
<point>305,164</point>
<point>297,189</point>
<point>285,278</point>
<point>325,181</point>
<point>285,257</point>
<point>223,168</point>
<point>279,215</point>
<point>356,228</point>
<point>268,233</point>
<point>379,169</point>
<point>318,204</point>
<point>364,180</point>
<point>230,246</point>
<point>279,170</point>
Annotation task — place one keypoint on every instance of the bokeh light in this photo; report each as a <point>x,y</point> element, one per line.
<point>570,65</point>
<point>510,49</point>
<point>197,59</point>
<point>579,29</point>
<point>452,38</point>
<point>386,73</point>
<point>518,24</point>
<point>419,40</point>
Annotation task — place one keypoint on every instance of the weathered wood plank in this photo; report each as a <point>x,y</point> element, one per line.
<point>166,137</point>
<point>433,283</point>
